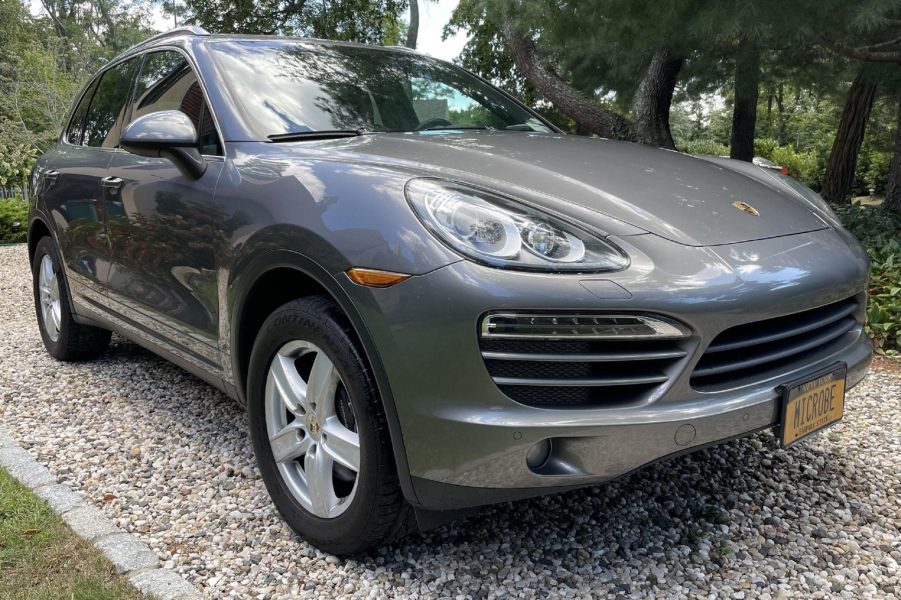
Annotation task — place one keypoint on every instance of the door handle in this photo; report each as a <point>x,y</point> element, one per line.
<point>111,183</point>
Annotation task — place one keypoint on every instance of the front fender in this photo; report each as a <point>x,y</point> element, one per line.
<point>256,267</point>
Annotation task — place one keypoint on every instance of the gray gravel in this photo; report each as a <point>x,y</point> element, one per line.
<point>167,458</point>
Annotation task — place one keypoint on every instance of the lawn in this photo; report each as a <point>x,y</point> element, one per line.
<point>41,558</point>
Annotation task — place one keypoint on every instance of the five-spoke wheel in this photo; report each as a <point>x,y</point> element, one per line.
<point>63,336</point>
<point>311,428</point>
<point>319,430</point>
<point>49,302</point>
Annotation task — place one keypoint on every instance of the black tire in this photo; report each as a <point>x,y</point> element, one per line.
<point>74,341</point>
<point>378,512</point>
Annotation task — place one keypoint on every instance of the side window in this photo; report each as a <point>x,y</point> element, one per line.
<point>106,116</point>
<point>76,123</point>
<point>167,82</point>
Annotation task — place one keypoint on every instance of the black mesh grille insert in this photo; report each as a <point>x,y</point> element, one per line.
<point>754,349</point>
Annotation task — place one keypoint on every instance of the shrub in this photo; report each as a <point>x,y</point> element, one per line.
<point>802,165</point>
<point>17,155</point>
<point>12,211</point>
<point>880,231</point>
<point>706,147</point>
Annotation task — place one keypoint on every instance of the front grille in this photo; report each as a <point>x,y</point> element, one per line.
<point>580,374</point>
<point>755,349</point>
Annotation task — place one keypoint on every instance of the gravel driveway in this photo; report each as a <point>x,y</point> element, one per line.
<point>167,457</point>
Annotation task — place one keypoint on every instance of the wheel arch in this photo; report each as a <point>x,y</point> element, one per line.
<point>37,229</point>
<point>277,277</point>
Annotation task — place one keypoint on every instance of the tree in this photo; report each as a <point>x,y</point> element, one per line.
<point>569,101</point>
<point>350,20</point>
<point>747,89</point>
<point>893,190</point>
<point>654,97</point>
<point>846,148</point>
<point>413,29</point>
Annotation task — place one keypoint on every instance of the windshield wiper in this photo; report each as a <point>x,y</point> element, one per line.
<point>324,134</point>
<point>453,127</point>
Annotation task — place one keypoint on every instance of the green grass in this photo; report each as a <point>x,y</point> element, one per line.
<point>42,559</point>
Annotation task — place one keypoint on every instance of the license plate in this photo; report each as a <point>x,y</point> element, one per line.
<point>811,405</point>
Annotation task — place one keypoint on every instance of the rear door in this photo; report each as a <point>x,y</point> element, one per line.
<point>166,229</point>
<point>72,180</point>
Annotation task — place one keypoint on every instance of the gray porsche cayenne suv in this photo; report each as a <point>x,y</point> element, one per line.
<point>426,295</point>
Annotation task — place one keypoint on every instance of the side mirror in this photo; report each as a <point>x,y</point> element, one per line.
<point>166,134</point>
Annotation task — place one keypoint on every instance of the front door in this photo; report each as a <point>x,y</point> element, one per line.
<point>73,190</point>
<point>165,228</point>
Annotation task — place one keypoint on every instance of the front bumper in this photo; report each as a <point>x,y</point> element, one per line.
<point>466,442</point>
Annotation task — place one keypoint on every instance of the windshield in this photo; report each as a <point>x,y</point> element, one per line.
<point>289,87</point>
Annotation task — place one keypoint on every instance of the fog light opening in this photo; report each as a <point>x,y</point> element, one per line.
<point>538,455</point>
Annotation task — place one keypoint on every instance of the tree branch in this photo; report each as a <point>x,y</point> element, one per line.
<point>568,100</point>
<point>861,53</point>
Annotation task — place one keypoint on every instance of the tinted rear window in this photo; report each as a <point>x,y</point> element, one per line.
<point>76,124</point>
<point>106,116</point>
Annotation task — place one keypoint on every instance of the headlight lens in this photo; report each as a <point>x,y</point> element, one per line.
<point>501,232</point>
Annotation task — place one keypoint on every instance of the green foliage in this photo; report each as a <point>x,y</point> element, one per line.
<point>880,232</point>
<point>803,165</point>
<point>708,147</point>
<point>12,211</point>
<point>370,21</point>
<point>17,155</point>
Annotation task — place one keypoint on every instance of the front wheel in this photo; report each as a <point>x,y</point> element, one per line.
<point>319,430</point>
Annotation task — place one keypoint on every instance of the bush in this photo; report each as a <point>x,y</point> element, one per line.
<point>880,231</point>
<point>802,165</point>
<point>12,211</point>
<point>17,155</point>
<point>705,147</point>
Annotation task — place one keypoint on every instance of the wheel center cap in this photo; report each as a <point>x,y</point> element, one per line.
<point>314,427</point>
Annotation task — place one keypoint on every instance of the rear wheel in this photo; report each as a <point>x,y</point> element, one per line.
<point>63,337</point>
<point>319,430</point>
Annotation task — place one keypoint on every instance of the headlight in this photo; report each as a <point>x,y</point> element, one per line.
<point>501,232</point>
<point>813,199</point>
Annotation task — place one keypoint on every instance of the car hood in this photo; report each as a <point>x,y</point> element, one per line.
<point>674,195</point>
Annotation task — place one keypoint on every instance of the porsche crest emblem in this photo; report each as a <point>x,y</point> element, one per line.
<point>746,208</point>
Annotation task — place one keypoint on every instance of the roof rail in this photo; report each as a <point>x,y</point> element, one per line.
<point>187,30</point>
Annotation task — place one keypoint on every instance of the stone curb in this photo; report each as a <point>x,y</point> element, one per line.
<point>131,557</point>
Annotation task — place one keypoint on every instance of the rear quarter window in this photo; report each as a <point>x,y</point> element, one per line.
<point>76,123</point>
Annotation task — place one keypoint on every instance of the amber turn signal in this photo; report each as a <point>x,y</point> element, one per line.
<point>375,278</point>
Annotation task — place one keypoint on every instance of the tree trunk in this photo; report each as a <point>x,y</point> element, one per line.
<point>893,191</point>
<point>653,98</point>
<point>839,177</point>
<point>565,98</point>
<point>780,117</point>
<point>744,111</point>
<point>413,31</point>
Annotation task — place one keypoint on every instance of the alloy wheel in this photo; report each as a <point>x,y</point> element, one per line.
<point>312,430</point>
<point>48,286</point>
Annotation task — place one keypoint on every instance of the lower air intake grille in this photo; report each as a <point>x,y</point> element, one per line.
<point>580,374</point>
<point>753,349</point>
